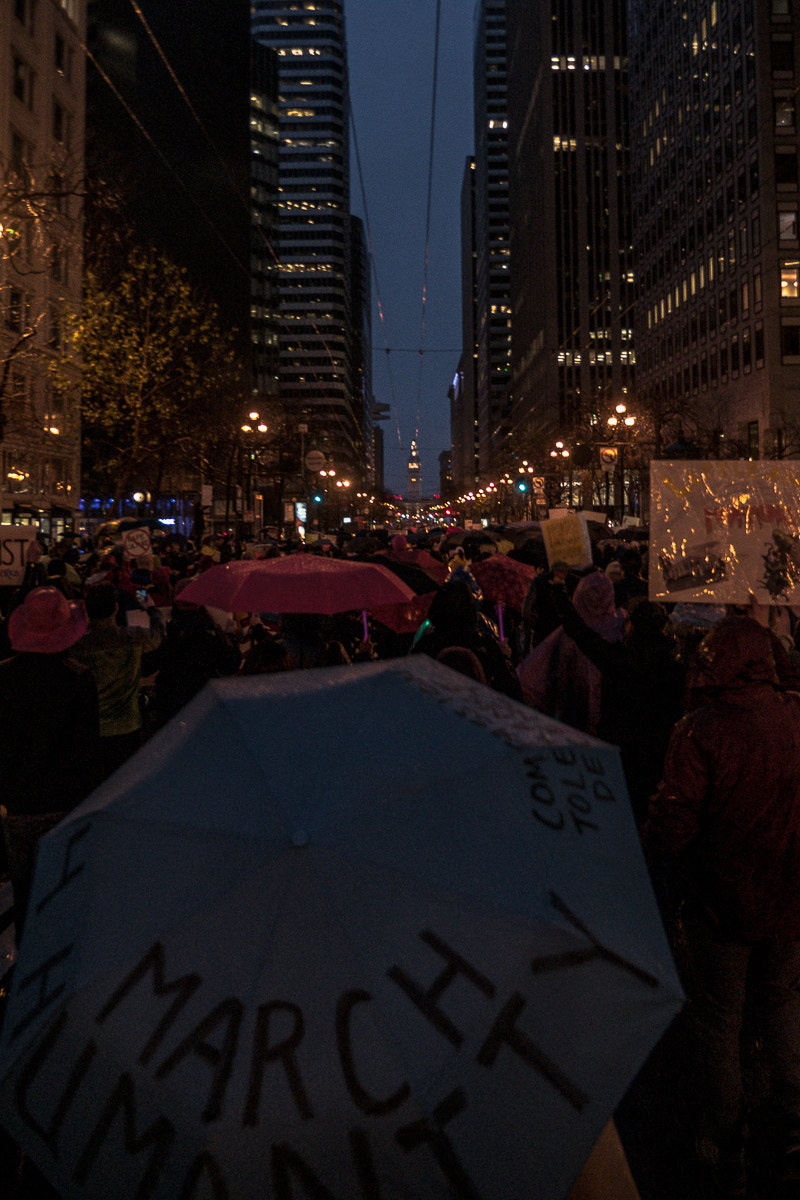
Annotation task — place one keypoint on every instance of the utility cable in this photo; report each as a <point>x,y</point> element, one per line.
<point>428,209</point>
<point>374,269</point>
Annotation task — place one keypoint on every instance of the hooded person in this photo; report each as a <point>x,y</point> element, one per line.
<point>726,818</point>
<point>454,620</point>
<point>50,731</point>
<point>642,691</point>
<point>556,677</point>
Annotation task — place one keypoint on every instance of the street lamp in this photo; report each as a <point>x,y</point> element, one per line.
<point>342,484</point>
<point>620,421</point>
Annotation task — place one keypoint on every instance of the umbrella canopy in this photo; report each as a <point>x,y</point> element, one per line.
<point>417,577</point>
<point>297,583</point>
<point>404,618</point>
<point>418,558</point>
<point>504,580</point>
<point>366,932</point>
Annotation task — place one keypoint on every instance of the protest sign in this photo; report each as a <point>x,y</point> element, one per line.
<point>14,542</point>
<point>136,542</point>
<point>566,539</point>
<point>721,531</point>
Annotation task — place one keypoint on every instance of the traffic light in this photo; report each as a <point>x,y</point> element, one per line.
<point>317,498</point>
<point>522,485</point>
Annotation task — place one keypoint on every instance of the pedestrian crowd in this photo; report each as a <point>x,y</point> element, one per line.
<point>99,651</point>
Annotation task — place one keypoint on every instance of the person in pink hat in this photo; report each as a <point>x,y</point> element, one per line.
<point>50,731</point>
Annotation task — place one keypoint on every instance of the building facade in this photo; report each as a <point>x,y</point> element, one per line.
<point>572,287</point>
<point>41,256</point>
<point>264,141</point>
<point>492,251</point>
<point>361,346</point>
<point>314,237</point>
<point>716,194</point>
<point>175,136</point>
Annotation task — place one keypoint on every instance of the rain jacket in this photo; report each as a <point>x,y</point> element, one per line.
<point>729,802</point>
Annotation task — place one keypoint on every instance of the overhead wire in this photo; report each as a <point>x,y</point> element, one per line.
<point>146,135</point>
<point>434,98</point>
<point>374,271</point>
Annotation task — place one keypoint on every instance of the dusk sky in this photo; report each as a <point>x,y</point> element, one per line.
<point>391,61</point>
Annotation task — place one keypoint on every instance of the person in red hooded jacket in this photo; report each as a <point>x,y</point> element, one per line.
<point>728,813</point>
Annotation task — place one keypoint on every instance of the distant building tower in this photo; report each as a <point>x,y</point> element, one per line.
<point>314,227</point>
<point>414,481</point>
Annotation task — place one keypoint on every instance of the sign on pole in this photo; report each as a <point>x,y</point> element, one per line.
<point>723,530</point>
<point>315,460</point>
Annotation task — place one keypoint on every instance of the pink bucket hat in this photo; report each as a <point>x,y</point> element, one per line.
<point>46,622</point>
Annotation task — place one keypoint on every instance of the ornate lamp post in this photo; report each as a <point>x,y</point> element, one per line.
<point>619,422</point>
<point>254,431</point>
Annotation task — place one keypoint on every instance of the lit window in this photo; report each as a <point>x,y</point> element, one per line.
<point>790,281</point>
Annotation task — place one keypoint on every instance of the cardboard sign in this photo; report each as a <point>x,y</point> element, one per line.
<point>566,539</point>
<point>14,542</point>
<point>720,531</point>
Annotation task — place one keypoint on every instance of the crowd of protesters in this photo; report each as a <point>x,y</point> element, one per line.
<point>100,650</point>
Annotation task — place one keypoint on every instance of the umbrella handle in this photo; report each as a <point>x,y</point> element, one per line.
<point>500,622</point>
<point>365,625</point>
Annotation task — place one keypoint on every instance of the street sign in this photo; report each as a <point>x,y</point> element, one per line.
<point>315,460</point>
<point>537,483</point>
<point>609,456</point>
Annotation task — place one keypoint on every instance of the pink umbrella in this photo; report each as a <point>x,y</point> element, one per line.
<point>298,583</point>
<point>504,582</point>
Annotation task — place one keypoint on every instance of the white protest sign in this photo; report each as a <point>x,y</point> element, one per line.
<point>722,530</point>
<point>14,542</point>
<point>566,539</point>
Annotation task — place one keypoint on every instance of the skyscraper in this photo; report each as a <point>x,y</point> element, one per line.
<point>717,231</point>
<point>492,255</point>
<point>264,202</point>
<point>316,316</point>
<point>571,245</point>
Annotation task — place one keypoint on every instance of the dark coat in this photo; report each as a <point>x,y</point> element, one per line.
<point>729,803</point>
<point>49,734</point>
<point>641,697</point>
<point>454,621</point>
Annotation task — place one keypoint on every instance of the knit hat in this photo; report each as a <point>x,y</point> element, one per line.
<point>594,602</point>
<point>46,622</point>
